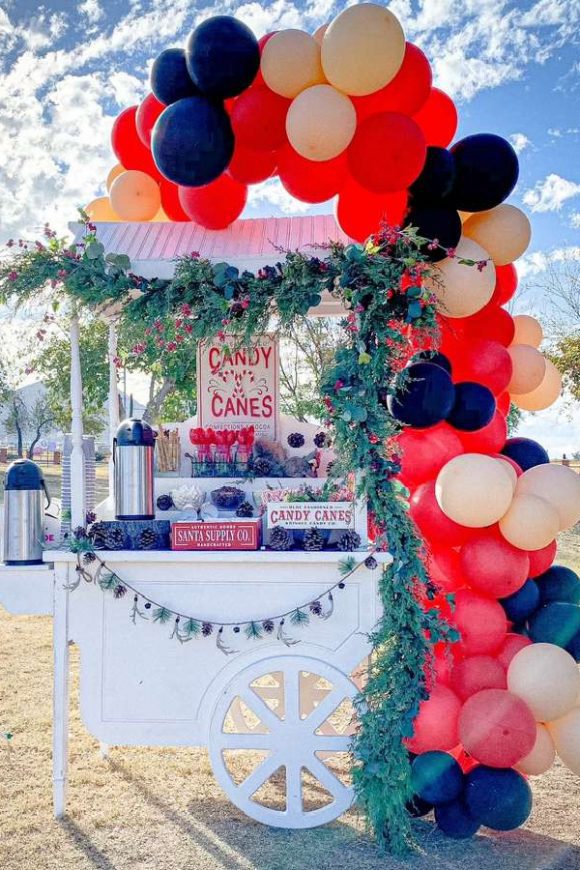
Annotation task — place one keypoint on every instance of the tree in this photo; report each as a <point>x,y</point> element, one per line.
<point>28,422</point>
<point>561,286</point>
<point>306,352</point>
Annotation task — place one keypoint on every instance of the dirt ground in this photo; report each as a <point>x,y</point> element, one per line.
<point>161,809</point>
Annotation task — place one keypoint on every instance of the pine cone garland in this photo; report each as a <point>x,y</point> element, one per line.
<point>296,439</point>
<point>313,540</point>
<point>114,538</point>
<point>280,539</point>
<point>89,557</point>
<point>245,510</point>
<point>349,541</point>
<point>320,439</point>
<point>165,503</point>
<point>262,467</point>
<point>147,539</point>
<point>371,563</point>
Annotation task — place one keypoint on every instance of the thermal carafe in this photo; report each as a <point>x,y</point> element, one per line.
<point>133,453</point>
<point>24,492</point>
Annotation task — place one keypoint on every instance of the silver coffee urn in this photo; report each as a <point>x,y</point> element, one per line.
<point>24,491</point>
<point>133,454</point>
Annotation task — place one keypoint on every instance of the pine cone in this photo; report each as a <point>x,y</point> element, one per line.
<point>280,539</point>
<point>371,563</point>
<point>147,539</point>
<point>245,510</point>
<point>296,439</point>
<point>320,439</point>
<point>114,538</point>
<point>98,535</point>
<point>165,503</point>
<point>89,557</point>
<point>313,540</point>
<point>349,541</point>
<point>262,467</point>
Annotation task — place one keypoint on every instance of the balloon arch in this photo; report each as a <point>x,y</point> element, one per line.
<point>350,112</point>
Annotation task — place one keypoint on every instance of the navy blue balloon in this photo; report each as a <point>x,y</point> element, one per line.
<point>425,396</point>
<point>435,223</point>
<point>434,357</point>
<point>557,622</point>
<point>417,807</point>
<point>223,56</point>
<point>574,647</point>
<point>192,141</point>
<point>473,408</point>
<point>519,606</point>
<point>559,583</point>
<point>497,798</point>
<point>436,179</point>
<point>486,172</point>
<point>436,777</point>
<point>526,452</point>
<point>455,820</point>
<point>170,80</point>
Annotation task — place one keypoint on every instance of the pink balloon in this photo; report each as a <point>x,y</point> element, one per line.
<point>475,673</point>
<point>492,566</point>
<point>497,728</point>
<point>436,724</point>
<point>512,644</point>
<point>480,621</point>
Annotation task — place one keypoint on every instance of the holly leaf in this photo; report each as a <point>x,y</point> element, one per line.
<point>94,250</point>
<point>415,310</point>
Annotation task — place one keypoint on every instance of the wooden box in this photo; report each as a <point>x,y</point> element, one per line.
<point>231,534</point>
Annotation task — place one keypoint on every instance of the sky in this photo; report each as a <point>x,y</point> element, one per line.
<point>68,67</point>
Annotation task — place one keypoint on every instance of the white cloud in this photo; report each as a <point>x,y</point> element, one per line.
<point>273,194</point>
<point>575,220</point>
<point>551,193</point>
<point>92,11</point>
<point>538,261</point>
<point>519,141</point>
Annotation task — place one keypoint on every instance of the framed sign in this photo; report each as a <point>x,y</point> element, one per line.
<point>313,514</point>
<point>218,535</point>
<point>238,386</point>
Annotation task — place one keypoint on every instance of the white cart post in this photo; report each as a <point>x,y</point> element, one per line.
<point>113,399</point>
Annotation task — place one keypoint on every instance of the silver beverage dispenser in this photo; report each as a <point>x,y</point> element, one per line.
<point>133,453</point>
<point>24,492</point>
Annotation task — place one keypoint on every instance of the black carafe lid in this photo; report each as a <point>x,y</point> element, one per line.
<point>23,474</point>
<point>135,433</point>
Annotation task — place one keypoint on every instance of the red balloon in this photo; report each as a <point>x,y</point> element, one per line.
<point>128,147</point>
<point>439,668</point>
<point>215,205</point>
<point>425,453</point>
<point>170,201</point>
<point>493,323</point>
<point>259,119</point>
<point>465,761</point>
<point>406,93</point>
<point>489,439</point>
<point>506,284</point>
<point>492,566</point>
<point>485,362</point>
<point>310,180</point>
<point>387,152</point>
<point>250,167</point>
<point>503,403</point>
<point>445,569</point>
<point>360,213</point>
<point>481,622</point>
<point>437,118</point>
<point>431,520</point>
<point>475,673</point>
<point>509,460</point>
<point>541,560</point>
<point>512,644</point>
<point>259,80</point>
<point>497,728</point>
<point>436,725</point>
<point>147,113</point>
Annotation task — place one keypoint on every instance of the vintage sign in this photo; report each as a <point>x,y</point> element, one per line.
<point>238,386</point>
<point>218,535</point>
<point>308,515</point>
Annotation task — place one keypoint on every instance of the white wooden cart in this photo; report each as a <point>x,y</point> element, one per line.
<point>274,709</point>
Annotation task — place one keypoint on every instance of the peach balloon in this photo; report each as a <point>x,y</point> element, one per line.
<point>135,196</point>
<point>565,733</point>
<point>509,470</point>
<point>464,215</point>
<point>542,756</point>
<point>160,217</point>
<point>320,123</point>
<point>504,231</point>
<point>474,490</point>
<point>363,49</point>
<point>101,210</point>
<point>463,290</point>
<point>544,395</point>
<point>528,330</point>
<point>559,485</point>
<point>114,173</point>
<point>530,523</point>
<point>291,62</point>
<point>547,678</point>
<point>529,368</point>
<point>319,33</point>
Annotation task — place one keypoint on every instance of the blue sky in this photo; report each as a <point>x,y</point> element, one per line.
<point>68,67</point>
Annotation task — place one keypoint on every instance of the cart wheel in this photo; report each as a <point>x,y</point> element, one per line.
<point>284,763</point>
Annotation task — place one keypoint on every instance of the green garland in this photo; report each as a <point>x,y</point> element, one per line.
<point>390,317</point>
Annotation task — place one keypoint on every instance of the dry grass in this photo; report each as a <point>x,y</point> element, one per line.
<point>160,809</point>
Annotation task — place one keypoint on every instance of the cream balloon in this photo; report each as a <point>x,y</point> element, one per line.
<point>509,470</point>
<point>463,290</point>
<point>566,736</point>
<point>504,232</point>
<point>101,210</point>
<point>559,485</point>
<point>319,33</point>
<point>542,756</point>
<point>114,173</point>
<point>544,395</point>
<point>547,678</point>
<point>474,490</point>
<point>320,123</point>
<point>160,217</point>
<point>135,196</point>
<point>363,49</point>
<point>530,523</point>
<point>291,62</point>
<point>528,368</point>
<point>528,330</point>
